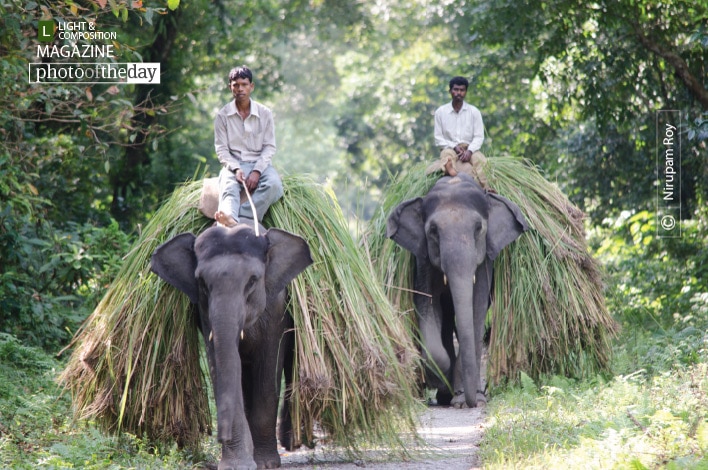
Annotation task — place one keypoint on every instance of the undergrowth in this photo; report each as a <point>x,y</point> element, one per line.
<point>36,430</point>
<point>654,412</point>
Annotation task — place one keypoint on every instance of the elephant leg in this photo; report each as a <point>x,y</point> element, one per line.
<point>263,388</point>
<point>485,275</point>
<point>444,395</point>
<point>458,400</point>
<point>286,436</point>
<point>430,324</point>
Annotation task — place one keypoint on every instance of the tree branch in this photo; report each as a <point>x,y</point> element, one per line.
<point>676,61</point>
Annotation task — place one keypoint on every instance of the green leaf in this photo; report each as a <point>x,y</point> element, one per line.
<point>172,4</point>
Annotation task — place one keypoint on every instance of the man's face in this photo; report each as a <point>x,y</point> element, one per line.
<point>458,93</point>
<point>241,89</point>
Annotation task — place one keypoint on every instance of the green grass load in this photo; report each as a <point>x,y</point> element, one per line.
<point>549,314</point>
<point>135,365</point>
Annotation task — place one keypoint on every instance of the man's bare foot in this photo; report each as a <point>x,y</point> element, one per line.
<point>225,220</point>
<point>450,168</point>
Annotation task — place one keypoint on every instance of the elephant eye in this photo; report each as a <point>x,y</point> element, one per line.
<point>478,230</point>
<point>251,282</point>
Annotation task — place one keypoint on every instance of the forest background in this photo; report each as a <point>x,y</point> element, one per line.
<point>575,87</point>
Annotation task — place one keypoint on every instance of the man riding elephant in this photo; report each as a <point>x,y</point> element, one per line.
<point>459,134</point>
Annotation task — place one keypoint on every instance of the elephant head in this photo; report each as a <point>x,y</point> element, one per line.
<point>455,232</point>
<point>238,280</point>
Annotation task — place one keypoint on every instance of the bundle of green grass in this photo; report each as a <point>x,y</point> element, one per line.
<point>549,314</point>
<point>135,366</point>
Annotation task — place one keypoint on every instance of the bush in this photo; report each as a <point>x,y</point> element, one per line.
<point>658,290</point>
<point>52,279</point>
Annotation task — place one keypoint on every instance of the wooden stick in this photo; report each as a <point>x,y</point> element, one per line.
<point>253,208</point>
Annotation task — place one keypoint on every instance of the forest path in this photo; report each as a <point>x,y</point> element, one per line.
<point>453,434</point>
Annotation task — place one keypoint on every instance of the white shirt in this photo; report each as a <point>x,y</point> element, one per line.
<point>244,140</point>
<point>465,127</point>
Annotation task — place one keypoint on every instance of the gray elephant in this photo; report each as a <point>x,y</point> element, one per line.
<point>455,232</point>
<point>239,282</point>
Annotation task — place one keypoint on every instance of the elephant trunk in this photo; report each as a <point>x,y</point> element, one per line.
<point>461,280</point>
<point>230,413</point>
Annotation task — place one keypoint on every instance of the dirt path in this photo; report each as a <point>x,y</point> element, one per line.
<point>453,435</point>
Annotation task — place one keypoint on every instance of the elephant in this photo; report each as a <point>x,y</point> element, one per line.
<point>238,283</point>
<point>455,232</point>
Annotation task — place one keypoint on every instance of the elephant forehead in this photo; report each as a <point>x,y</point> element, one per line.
<point>230,266</point>
<point>463,198</point>
<point>221,241</point>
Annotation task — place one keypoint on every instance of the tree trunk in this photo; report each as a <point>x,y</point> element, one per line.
<point>129,171</point>
<point>679,65</point>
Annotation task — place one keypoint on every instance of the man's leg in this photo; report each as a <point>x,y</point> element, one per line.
<point>229,199</point>
<point>269,190</point>
<point>478,162</point>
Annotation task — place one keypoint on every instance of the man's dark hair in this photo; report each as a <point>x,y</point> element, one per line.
<point>240,72</point>
<point>459,81</point>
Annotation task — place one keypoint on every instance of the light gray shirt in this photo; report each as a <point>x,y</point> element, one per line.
<point>244,140</point>
<point>465,127</point>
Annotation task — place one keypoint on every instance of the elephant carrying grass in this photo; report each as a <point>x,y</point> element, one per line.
<point>239,282</point>
<point>455,232</point>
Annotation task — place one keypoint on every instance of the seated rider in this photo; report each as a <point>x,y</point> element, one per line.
<point>244,138</point>
<point>459,134</point>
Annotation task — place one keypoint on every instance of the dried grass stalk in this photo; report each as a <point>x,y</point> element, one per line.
<point>135,361</point>
<point>355,353</point>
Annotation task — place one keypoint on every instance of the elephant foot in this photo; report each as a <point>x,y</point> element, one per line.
<point>459,401</point>
<point>237,464</point>
<point>267,459</point>
<point>286,436</point>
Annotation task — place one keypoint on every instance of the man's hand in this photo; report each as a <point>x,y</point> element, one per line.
<point>252,181</point>
<point>466,156</point>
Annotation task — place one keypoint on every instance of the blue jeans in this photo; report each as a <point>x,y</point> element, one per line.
<point>269,190</point>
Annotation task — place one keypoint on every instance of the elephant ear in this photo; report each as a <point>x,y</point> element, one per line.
<point>505,224</point>
<point>406,226</point>
<point>175,262</point>
<point>288,255</point>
